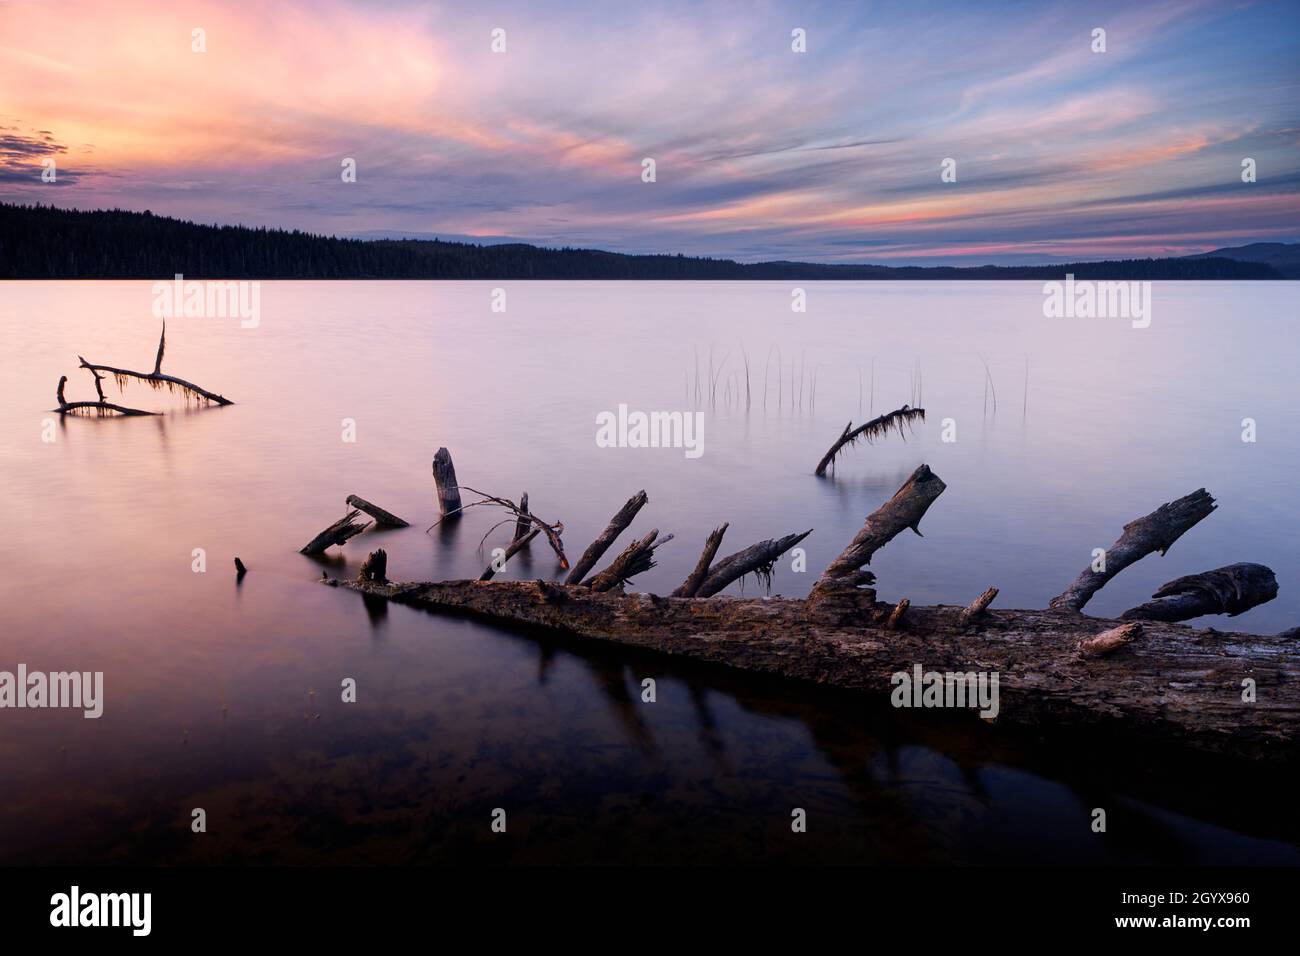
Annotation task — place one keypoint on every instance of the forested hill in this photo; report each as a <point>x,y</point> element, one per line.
<point>44,242</point>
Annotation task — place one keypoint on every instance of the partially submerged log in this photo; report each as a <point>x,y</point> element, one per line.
<point>691,585</point>
<point>337,533</point>
<point>1058,670</point>
<point>1229,590</point>
<point>617,525</point>
<point>156,378</point>
<point>382,517</point>
<point>101,406</point>
<point>1154,532</point>
<point>1175,685</point>
<point>896,420</point>
<point>444,477</point>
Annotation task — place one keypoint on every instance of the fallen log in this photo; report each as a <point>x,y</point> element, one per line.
<point>876,428</point>
<point>337,533</point>
<point>156,378</point>
<point>691,585</point>
<point>382,517</point>
<point>617,525</point>
<point>1177,685</point>
<point>444,477</point>
<point>1154,532</point>
<point>1229,590</point>
<point>757,559</point>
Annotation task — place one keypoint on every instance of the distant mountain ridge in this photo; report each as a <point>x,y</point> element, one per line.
<point>45,242</point>
<point>1282,256</point>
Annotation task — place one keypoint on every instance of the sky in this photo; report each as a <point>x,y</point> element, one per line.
<point>760,152</point>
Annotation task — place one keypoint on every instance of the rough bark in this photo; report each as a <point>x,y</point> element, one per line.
<point>617,525</point>
<point>444,476</point>
<point>692,583</point>
<point>876,428</point>
<point>1229,590</point>
<point>756,559</point>
<point>1176,685</point>
<point>1154,532</point>
<point>382,517</point>
<point>337,533</point>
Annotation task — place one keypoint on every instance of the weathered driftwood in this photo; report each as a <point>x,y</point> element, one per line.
<point>896,420</point>
<point>904,510</point>
<point>157,378</point>
<point>240,569</point>
<point>1228,590</point>
<point>691,585</point>
<point>515,547</point>
<point>757,559</point>
<point>1176,684</point>
<point>617,525</point>
<point>977,607</point>
<point>444,476</point>
<point>636,558</point>
<point>100,406</point>
<point>337,533</point>
<point>382,517</point>
<point>1059,671</point>
<point>1154,532</point>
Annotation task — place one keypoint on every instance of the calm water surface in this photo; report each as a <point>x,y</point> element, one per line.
<point>226,697</point>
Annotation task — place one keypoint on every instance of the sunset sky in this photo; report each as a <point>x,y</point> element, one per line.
<point>761,152</point>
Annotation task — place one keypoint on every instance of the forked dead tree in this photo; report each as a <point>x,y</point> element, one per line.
<point>157,378</point>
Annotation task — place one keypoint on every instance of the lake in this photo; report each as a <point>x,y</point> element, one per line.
<point>224,695</point>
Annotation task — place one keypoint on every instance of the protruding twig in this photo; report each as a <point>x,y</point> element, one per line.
<point>896,615</point>
<point>697,577</point>
<point>617,525</point>
<point>977,607</point>
<point>1107,642</point>
<point>1154,532</point>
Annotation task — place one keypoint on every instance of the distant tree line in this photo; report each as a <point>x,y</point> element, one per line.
<point>44,242</point>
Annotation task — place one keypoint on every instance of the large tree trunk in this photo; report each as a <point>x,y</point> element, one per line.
<point>1170,683</point>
